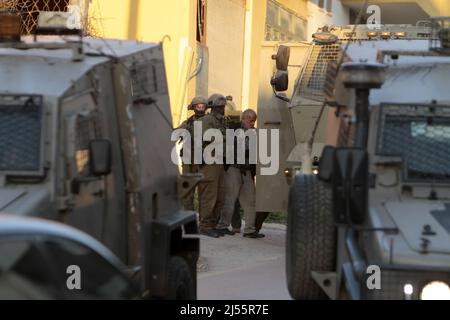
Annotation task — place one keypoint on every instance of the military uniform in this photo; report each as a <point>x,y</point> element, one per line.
<point>211,192</point>
<point>188,200</point>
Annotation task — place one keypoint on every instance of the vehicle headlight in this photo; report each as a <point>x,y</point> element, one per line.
<point>435,290</point>
<point>408,289</point>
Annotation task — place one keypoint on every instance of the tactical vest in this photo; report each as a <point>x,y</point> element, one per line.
<point>189,126</point>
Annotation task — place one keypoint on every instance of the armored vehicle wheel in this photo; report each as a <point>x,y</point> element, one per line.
<point>311,236</point>
<point>181,284</point>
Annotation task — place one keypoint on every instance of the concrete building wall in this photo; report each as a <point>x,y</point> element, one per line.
<point>225,33</point>
<point>300,7</point>
<point>435,7</point>
<point>254,37</point>
<point>172,22</point>
<point>235,31</point>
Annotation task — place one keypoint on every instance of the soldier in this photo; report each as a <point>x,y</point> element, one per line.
<point>211,192</point>
<point>239,184</point>
<point>198,105</point>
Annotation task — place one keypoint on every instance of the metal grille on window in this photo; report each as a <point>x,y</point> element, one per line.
<point>329,5</point>
<point>29,11</point>
<point>20,133</point>
<point>283,24</point>
<point>415,133</point>
<point>87,128</point>
<point>146,81</point>
<point>314,77</point>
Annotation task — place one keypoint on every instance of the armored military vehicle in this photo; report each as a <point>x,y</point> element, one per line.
<point>85,130</point>
<point>371,219</point>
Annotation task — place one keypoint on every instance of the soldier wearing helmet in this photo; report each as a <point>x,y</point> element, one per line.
<point>198,105</point>
<point>217,103</point>
<point>211,192</point>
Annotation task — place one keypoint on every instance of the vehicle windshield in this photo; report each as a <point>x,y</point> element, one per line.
<point>20,133</point>
<point>421,136</point>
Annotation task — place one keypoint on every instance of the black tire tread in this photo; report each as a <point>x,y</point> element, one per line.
<point>311,236</point>
<point>180,275</point>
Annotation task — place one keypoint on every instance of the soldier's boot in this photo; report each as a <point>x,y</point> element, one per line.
<point>225,232</point>
<point>210,233</point>
<point>254,235</point>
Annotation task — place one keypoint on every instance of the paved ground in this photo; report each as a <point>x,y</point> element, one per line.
<point>238,268</point>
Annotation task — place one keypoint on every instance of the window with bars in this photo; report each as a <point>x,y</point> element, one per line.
<point>416,132</point>
<point>146,80</point>
<point>326,4</point>
<point>29,10</point>
<point>283,24</point>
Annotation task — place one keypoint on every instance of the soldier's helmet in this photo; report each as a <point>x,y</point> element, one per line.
<point>197,100</point>
<point>216,100</point>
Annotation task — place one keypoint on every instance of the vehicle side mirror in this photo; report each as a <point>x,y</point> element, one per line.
<point>351,185</point>
<point>100,157</point>
<point>282,58</point>
<point>280,81</point>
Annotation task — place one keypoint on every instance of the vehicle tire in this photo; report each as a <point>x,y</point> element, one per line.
<point>311,236</point>
<point>181,282</point>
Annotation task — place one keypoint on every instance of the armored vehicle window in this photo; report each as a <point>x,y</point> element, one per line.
<point>20,133</point>
<point>314,77</point>
<point>420,134</point>
<point>146,81</point>
<point>86,128</point>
